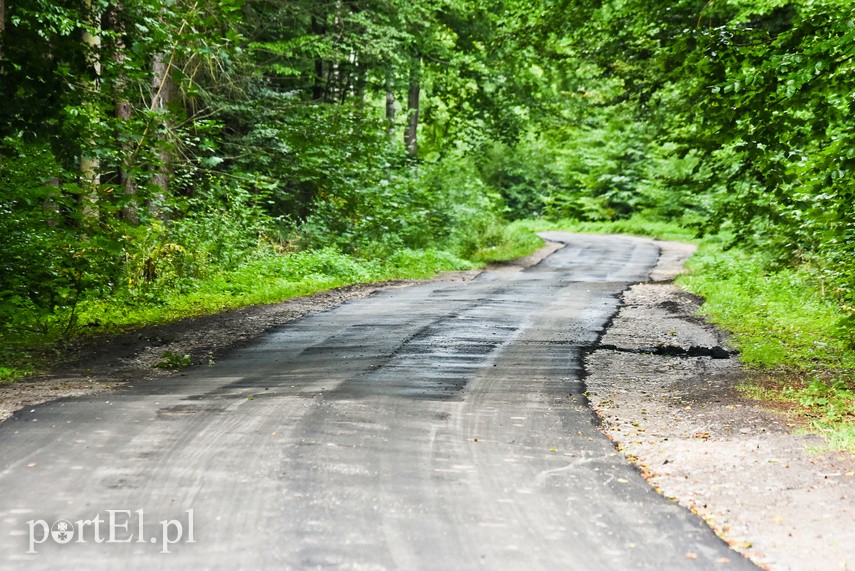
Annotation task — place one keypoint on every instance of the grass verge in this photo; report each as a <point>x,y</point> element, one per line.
<point>512,241</point>
<point>788,331</point>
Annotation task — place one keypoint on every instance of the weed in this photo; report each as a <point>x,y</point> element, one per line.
<point>173,362</point>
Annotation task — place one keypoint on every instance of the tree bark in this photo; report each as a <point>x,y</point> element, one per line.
<point>163,94</point>
<point>90,165</point>
<point>411,133</point>
<point>390,107</point>
<point>123,111</point>
<point>2,25</point>
<point>318,87</point>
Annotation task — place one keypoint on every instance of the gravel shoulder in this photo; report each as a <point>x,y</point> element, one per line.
<point>663,383</point>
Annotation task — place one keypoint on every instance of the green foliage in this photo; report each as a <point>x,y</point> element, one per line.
<point>173,362</point>
<point>525,174</point>
<point>779,316</point>
<point>216,230</point>
<point>42,221</point>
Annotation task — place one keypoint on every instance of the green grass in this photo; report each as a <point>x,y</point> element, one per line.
<point>9,375</point>
<point>270,280</point>
<point>516,240</point>
<point>778,317</point>
<point>638,225</point>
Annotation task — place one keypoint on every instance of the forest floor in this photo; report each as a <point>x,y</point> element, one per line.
<point>661,380</point>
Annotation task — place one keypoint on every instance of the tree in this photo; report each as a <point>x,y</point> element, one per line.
<point>2,25</point>
<point>90,163</point>
<point>413,95</point>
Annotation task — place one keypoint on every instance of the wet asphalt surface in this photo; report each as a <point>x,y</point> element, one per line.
<point>437,426</point>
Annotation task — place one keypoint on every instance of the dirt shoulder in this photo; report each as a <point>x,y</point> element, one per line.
<point>664,383</point>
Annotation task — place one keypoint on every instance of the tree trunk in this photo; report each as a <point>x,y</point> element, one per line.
<point>163,94</point>
<point>90,165</point>
<point>2,25</point>
<point>123,111</point>
<point>390,107</point>
<point>411,133</point>
<point>318,89</point>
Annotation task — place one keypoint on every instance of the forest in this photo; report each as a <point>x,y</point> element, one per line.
<point>166,158</point>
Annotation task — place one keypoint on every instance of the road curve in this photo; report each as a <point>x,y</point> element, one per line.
<point>437,426</point>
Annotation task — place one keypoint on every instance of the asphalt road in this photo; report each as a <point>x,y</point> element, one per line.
<point>437,426</point>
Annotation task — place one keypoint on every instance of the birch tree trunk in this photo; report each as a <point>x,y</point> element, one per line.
<point>163,94</point>
<point>90,165</point>
<point>390,108</point>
